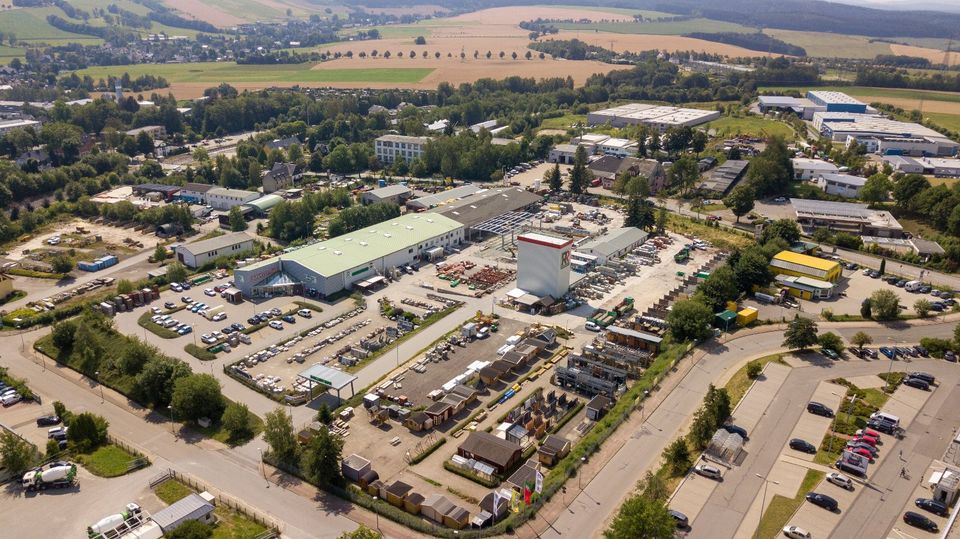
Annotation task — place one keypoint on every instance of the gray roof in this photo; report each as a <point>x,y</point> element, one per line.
<point>197,187</point>
<point>478,208</point>
<point>442,197</point>
<point>238,193</point>
<point>389,191</point>
<point>926,247</point>
<point>192,507</point>
<point>327,376</point>
<point>265,203</point>
<point>213,244</point>
<point>723,177</point>
<point>635,334</point>
<point>438,503</point>
<point>615,241</point>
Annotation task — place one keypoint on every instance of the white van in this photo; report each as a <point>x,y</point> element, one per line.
<point>913,286</point>
<point>889,418</point>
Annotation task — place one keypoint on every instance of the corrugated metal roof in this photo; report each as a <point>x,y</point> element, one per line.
<point>192,507</point>
<point>806,260</point>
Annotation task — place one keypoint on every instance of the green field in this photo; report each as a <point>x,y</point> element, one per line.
<point>616,10</point>
<point>950,121</point>
<point>657,28</point>
<point>826,45</point>
<point>753,126</point>
<point>31,25</point>
<point>391,31</point>
<point>231,72</point>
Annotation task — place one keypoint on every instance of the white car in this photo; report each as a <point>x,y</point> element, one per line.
<point>709,471</point>
<point>840,480</point>
<point>276,324</point>
<point>591,326</point>
<point>796,532</point>
<point>305,313</point>
<point>176,287</point>
<point>210,292</point>
<point>219,316</point>
<point>10,398</point>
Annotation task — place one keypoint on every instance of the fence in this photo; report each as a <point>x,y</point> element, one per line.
<point>141,460</point>
<point>223,499</point>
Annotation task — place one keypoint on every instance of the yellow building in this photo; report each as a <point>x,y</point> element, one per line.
<point>799,265</point>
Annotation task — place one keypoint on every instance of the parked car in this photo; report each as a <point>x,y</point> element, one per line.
<point>176,287</point>
<point>935,507</point>
<point>276,324</point>
<point>186,299</point>
<point>682,521</point>
<point>253,320</point>
<point>889,352</point>
<point>855,444</point>
<point>10,399</point>
<point>867,439</point>
<point>882,426</point>
<point>796,532</point>
<point>219,316</point>
<point>840,480</point>
<point>57,433</point>
<point>185,329</point>
<point>900,283</point>
<point>802,445</point>
<point>209,292</point>
<point>289,319</point>
<point>708,471</point>
<point>736,429</point>
<point>919,521</point>
<point>925,376</point>
<point>950,355</point>
<point>822,500</point>
<point>922,351</point>
<point>862,451</point>
<point>916,383</point>
<point>868,432</point>
<point>47,420</point>
<point>832,354</point>
<point>820,409</point>
<point>591,326</point>
<point>306,313</point>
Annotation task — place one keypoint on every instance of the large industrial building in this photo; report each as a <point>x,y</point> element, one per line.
<point>543,264</point>
<point>836,101</point>
<point>333,265</point>
<point>801,265</point>
<point>883,135</point>
<point>491,212</point>
<point>803,108</point>
<point>658,117</point>
<point>856,219</point>
<point>443,197</point>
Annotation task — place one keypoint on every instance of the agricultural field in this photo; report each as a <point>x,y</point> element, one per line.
<point>31,25</point>
<point>214,73</point>
<point>658,28</point>
<point>751,126</point>
<point>223,13</point>
<point>934,55</point>
<point>646,42</point>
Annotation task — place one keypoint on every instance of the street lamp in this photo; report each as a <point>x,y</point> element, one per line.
<point>763,500</point>
<point>583,461</point>
<point>97,374</point>
<point>173,422</point>
<point>376,512</point>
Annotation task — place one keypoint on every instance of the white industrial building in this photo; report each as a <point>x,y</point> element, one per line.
<point>565,153</point>
<point>618,147</point>
<point>389,148</point>
<point>941,168</point>
<point>9,125</point>
<point>803,108</point>
<point>327,267</point>
<point>807,169</point>
<point>658,117</point>
<point>906,165</point>
<point>543,264</point>
<point>198,253</point>
<point>221,198</point>
<point>881,134</point>
<point>398,194</point>
<point>613,244</point>
<point>843,185</point>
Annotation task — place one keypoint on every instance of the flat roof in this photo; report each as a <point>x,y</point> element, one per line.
<point>327,376</point>
<point>545,240</point>
<point>615,240</point>
<point>212,244</point>
<point>191,507</point>
<point>845,179</point>
<point>348,251</point>
<point>806,260</point>
<point>804,282</point>
<point>444,197</point>
<point>813,164</point>
<point>844,211</point>
<point>480,207</point>
<point>779,101</point>
<point>646,112</point>
<point>389,191</point>
<point>237,193</point>
<point>404,138</point>
<point>834,98</point>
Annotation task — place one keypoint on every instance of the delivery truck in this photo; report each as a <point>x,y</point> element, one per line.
<point>59,475</point>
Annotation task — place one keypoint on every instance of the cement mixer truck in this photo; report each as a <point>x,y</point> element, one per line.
<point>114,525</point>
<point>58,475</point>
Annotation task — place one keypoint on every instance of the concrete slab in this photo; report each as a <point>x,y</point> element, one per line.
<point>812,428</point>
<point>788,477</point>
<point>754,404</point>
<point>818,521</point>
<point>867,381</point>
<point>901,529</point>
<point>692,495</point>
<point>906,403</point>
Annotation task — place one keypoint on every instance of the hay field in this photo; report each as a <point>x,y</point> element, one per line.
<point>827,45</point>
<point>418,9</point>
<point>205,12</point>
<point>645,42</point>
<point>514,15</point>
<point>934,55</point>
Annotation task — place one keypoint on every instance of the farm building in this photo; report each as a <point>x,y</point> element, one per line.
<point>799,265</point>
<point>330,266</point>
<point>198,253</point>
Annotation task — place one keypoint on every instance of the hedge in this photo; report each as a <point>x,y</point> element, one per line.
<point>37,274</point>
<point>489,483</point>
<point>145,322</point>
<point>427,452</point>
<point>199,352</point>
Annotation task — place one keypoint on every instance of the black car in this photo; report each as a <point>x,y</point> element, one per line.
<point>919,521</point>
<point>882,426</point>
<point>228,330</point>
<point>682,521</point>
<point>950,355</point>
<point>916,383</point>
<point>817,408</point>
<point>935,507</point>
<point>735,429</point>
<point>289,319</point>
<point>802,445</point>
<point>922,351</point>
<point>48,420</point>
<point>822,500</point>
<point>253,320</point>
<point>925,376</point>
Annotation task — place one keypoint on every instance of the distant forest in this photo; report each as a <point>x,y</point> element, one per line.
<point>755,42</point>
<point>802,15</point>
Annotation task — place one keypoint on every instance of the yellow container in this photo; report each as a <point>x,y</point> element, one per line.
<point>747,316</point>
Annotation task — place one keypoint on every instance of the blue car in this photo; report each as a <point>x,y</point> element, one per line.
<point>184,330</point>
<point>890,353</point>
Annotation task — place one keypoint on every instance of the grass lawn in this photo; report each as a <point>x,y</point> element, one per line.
<point>30,24</point>
<point>658,28</point>
<point>753,126</point>
<point>567,121</point>
<point>107,461</point>
<point>782,508</point>
<point>215,72</point>
<point>231,525</point>
<point>220,434</point>
<point>155,328</point>
<point>950,121</point>
<point>718,236</point>
<point>740,383</point>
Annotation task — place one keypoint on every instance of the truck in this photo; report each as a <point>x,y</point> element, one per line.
<point>213,311</point>
<point>624,306</point>
<point>682,256</point>
<point>603,317</point>
<point>112,526</point>
<point>913,286</point>
<point>59,475</point>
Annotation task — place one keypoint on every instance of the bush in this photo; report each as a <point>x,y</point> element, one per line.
<point>87,432</point>
<point>754,368</point>
<point>236,419</point>
<point>191,529</point>
<point>935,346</point>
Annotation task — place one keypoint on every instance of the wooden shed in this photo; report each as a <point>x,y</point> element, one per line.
<point>413,503</point>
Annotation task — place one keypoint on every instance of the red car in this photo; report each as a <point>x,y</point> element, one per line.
<point>869,432</point>
<point>862,452</point>
<point>869,440</point>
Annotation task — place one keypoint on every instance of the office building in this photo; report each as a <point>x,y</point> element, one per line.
<point>389,148</point>
<point>843,185</point>
<point>856,219</point>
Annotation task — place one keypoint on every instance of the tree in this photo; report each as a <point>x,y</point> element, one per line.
<point>884,304</point>
<point>553,178</point>
<point>876,189</point>
<point>861,339</point>
<point>324,415</point>
<point>322,457</point>
<point>63,335</point>
<point>654,487</point>
<point>684,173</point>
<point>579,175</point>
<point>159,253</point>
<point>908,188</point>
<point>689,320</point>
<point>956,334</point>
<point>16,454</point>
<point>699,142</point>
<point>740,200</point>
<point>200,154</point>
<point>677,455</point>
<point>785,229</point>
<point>237,222</point>
<point>154,383</point>
<point>801,333</point>
<point>640,516</point>
<point>751,269</point>
<point>719,288</point>
<point>362,532</point>
<point>124,286</point>
<point>922,307</point>
<point>831,341</point>
<point>883,266</point>
<point>236,419</point>
<point>754,368</point>
<point>278,432</point>
<point>61,264</point>
<point>772,171</point>
<point>197,396</point>
<point>87,432</point>
<point>176,272</point>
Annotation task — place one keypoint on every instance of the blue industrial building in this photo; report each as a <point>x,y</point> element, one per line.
<point>837,102</point>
